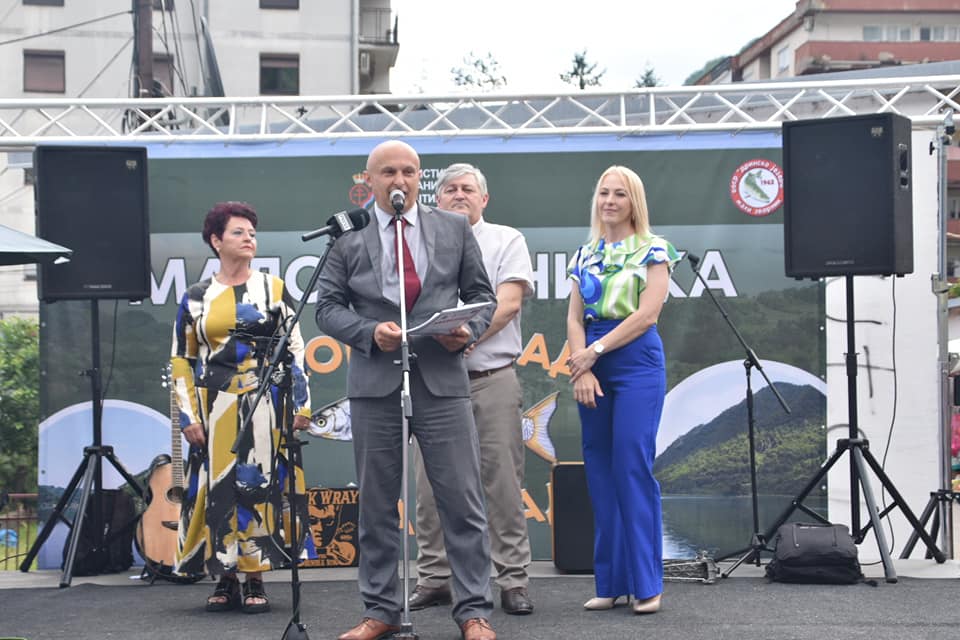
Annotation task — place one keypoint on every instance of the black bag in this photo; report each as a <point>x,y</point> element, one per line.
<point>119,519</point>
<point>814,553</point>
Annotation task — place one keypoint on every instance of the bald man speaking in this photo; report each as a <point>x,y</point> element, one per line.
<point>358,303</point>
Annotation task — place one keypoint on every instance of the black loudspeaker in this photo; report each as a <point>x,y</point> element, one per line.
<point>848,201</point>
<point>93,200</point>
<point>572,520</point>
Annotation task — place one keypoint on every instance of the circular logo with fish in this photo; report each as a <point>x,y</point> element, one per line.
<point>756,187</point>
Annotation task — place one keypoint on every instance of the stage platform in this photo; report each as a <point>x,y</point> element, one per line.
<point>924,603</point>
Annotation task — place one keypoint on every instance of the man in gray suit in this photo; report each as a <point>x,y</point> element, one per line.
<point>358,303</point>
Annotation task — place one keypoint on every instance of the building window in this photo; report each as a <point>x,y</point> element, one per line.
<point>163,73</point>
<point>953,33</point>
<point>46,3</point>
<point>936,34</point>
<point>279,74</point>
<point>783,59</point>
<point>872,33</point>
<point>898,33</point>
<point>44,71</point>
<point>163,5</point>
<point>279,4</point>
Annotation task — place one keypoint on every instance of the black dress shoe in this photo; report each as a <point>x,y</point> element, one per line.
<point>516,601</point>
<point>423,597</point>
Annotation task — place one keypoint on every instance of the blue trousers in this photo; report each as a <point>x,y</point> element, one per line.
<point>619,445</point>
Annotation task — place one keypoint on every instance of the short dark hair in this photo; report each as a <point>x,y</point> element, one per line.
<point>216,221</point>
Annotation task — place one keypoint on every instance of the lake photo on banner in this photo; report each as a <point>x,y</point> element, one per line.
<point>721,525</point>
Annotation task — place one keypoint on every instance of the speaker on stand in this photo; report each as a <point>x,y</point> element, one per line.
<point>848,196</point>
<point>848,211</point>
<point>93,199</point>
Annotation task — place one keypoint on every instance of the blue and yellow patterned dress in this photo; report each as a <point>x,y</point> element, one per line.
<point>234,515</point>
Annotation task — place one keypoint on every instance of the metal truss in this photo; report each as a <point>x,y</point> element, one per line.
<point>728,107</point>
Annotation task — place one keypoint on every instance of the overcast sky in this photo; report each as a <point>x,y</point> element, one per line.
<point>534,41</point>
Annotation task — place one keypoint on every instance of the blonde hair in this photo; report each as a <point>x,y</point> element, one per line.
<point>639,216</point>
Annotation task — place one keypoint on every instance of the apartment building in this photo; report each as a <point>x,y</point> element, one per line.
<point>823,36</point>
<point>90,49</point>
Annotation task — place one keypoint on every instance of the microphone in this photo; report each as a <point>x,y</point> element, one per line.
<point>339,223</point>
<point>397,199</point>
<point>694,260</point>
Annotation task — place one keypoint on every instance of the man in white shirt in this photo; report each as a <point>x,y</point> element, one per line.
<point>496,398</point>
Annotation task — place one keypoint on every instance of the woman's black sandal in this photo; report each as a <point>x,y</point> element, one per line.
<point>253,588</point>
<point>228,588</point>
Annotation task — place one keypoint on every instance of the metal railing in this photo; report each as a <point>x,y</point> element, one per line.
<point>730,107</point>
<point>18,528</point>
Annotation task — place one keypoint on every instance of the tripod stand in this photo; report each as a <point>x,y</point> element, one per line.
<point>758,542</point>
<point>89,472</point>
<point>860,459</point>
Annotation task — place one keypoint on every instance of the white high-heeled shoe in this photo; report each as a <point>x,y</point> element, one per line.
<point>650,605</point>
<point>601,604</point>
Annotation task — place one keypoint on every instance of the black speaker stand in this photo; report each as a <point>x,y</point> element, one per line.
<point>860,459</point>
<point>937,499</point>
<point>758,542</point>
<point>90,473</point>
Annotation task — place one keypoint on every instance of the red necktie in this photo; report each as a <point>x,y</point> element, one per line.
<point>411,282</point>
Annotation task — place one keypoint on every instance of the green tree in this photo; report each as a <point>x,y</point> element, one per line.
<point>481,73</point>
<point>19,404</point>
<point>583,73</point>
<point>648,79</point>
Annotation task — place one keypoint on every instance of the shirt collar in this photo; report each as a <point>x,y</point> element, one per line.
<point>384,219</point>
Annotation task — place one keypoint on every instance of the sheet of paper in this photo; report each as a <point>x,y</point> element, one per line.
<point>443,322</point>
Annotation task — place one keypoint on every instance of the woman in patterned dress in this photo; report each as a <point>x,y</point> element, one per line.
<point>235,509</point>
<point>619,382</point>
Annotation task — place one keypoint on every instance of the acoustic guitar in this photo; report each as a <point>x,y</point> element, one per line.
<point>157,531</point>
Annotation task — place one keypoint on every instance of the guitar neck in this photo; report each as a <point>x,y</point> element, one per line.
<point>176,447</point>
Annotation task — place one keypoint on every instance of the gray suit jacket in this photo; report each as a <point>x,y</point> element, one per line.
<point>350,304</point>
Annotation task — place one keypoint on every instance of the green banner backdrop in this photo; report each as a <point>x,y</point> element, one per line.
<point>718,196</point>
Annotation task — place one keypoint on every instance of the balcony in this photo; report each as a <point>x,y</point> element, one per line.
<point>376,27</point>
<point>378,50</point>
<point>817,56</point>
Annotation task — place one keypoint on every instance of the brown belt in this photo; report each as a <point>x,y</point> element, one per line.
<point>489,372</point>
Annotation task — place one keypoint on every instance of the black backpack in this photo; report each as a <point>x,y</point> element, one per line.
<point>119,520</point>
<point>814,553</point>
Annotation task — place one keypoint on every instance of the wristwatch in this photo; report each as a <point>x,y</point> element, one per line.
<point>598,348</point>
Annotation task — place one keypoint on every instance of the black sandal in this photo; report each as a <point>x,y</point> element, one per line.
<point>229,589</point>
<point>253,588</point>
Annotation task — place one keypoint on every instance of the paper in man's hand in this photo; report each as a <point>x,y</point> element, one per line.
<point>443,322</point>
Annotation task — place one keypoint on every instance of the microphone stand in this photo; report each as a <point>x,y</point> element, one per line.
<point>277,370</point>
<point>758,541</point>
<point>406,410</point>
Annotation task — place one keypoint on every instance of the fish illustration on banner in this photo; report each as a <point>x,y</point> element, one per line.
<point>332,422</point>
<point>534,425</point>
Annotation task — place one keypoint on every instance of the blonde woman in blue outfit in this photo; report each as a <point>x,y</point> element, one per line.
<point>619,381</point>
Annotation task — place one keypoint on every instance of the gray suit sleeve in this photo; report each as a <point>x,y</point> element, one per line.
<point>335,315</point>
